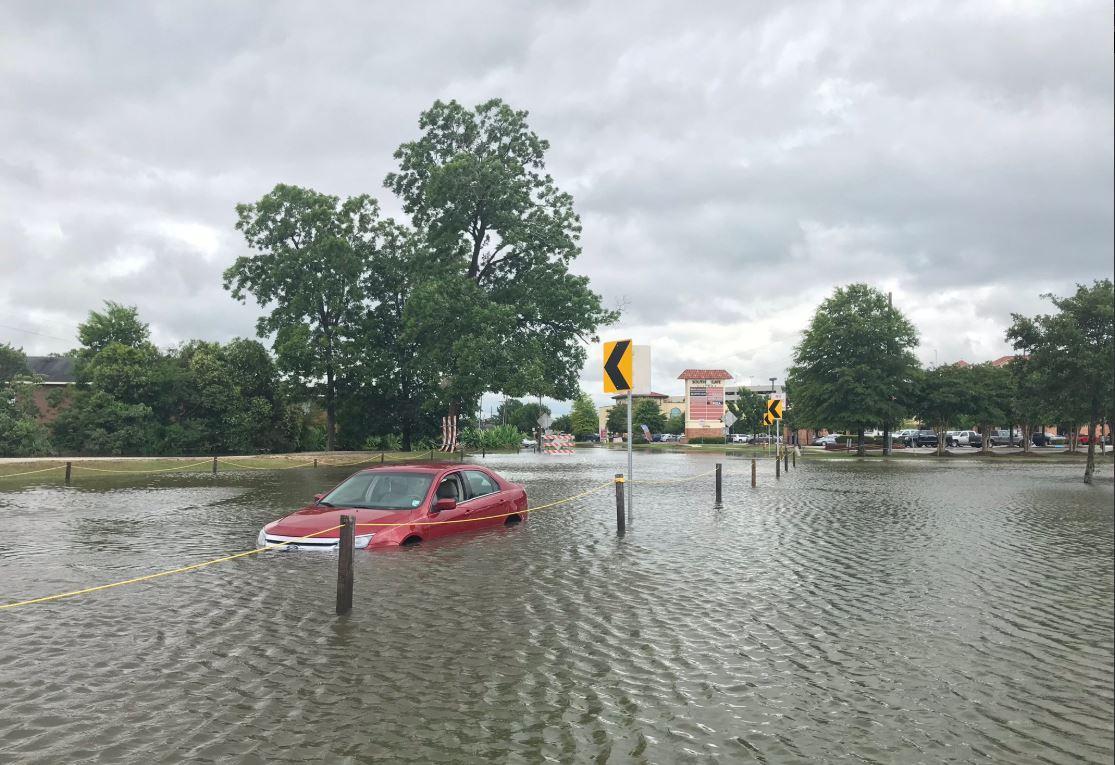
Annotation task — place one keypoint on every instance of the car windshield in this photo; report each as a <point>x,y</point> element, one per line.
<point>381,490</point>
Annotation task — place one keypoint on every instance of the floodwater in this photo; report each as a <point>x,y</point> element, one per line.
<point>900,613</point>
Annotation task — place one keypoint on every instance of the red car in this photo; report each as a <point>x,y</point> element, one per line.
<point>414,501</point>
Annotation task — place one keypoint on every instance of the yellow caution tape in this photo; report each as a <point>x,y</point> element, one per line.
<point>32,472</point>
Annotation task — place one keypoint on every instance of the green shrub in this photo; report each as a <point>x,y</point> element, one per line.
<point>707,440</point>
<point>499,437</point>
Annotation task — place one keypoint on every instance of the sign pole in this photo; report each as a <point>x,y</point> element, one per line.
<point>630,452</point>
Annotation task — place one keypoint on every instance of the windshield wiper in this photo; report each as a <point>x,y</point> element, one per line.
<point>327,504</point>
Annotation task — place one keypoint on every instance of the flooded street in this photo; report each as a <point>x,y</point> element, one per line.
<point>907,612</point>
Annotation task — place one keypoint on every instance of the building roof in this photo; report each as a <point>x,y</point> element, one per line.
<point>57,370</point>
<point>1002,361</point>
<point>651,394</point>
<point>705,374</point>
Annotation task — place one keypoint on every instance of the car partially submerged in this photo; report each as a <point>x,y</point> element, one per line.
<point>402,505</point>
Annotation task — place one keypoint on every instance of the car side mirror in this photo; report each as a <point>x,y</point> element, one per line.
<point>318,498</point>
<point>445,503</point>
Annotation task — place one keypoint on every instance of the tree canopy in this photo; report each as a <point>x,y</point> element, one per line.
<point>854,367</point>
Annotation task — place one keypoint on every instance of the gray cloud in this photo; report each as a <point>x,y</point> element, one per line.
<point>731,164</point>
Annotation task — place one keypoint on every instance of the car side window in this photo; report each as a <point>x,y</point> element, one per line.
<point>479,483</point>
<point>450,488</point>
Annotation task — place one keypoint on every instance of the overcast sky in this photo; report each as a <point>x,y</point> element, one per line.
<point>731,163</point>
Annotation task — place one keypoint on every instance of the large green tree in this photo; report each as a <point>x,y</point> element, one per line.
<point>117,324</point>
<point>942,396</point>
<point>583,419</point>
<point>20,431</point>
<point>13,362</point>
<point>307,270</point>
<point>991,399</point>
<point>1073,350</point>
<point>475,185</point>
<point>748,409</point>
<point>854,367</point>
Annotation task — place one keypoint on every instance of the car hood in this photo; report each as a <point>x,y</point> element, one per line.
<point>316,517</point>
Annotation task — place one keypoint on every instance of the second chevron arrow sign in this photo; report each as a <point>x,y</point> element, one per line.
<point>617,366</point>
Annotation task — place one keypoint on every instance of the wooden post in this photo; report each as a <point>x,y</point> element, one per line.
<point>214,466</point>
<point>69,468</point>
<point>777,466</point>
<point>382,457</point>
<point>621,520</point>
<point>795,456</point>
<point>315,461</point>
<point>752,472</point>
<point>786,460</point>
<point>344,564</point>
<point>718,483</point>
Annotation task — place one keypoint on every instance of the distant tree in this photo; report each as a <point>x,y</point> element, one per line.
<point>97,423</point>
<point>648,412</point>
<point>675,424</point>
<point>562,424</point>
<point>117,324</point>
<point>617,417</point>
<point>1073,351</point>
<point>583,416</point>
<point>507,410</point>
<point>12,363</point>
<point>474,184</point>
<point>526,417</point>
<point>990,397</point>
<point>942,396</point>
<point>853,367</point>
<point>311,250</point>
<point>748,408</point>
<point>21,434</point>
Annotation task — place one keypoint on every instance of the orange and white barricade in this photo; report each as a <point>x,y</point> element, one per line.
<point>557,443</point>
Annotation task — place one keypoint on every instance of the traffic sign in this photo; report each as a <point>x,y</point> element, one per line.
<point>728,419</point>
<point>768,419</point>
<point>545,420</point>
<point>617,366</point>
<point>774,408</point>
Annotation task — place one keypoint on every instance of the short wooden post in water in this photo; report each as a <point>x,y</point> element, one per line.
<point>315,461</point>
<point>786,460</point>
<point>795,456</point>
<point>752,472</point>
<point>621,520</point>
<point>777,466</point>
<point>344,564</point>
<point>214,466</point>
<point>69,468</point>
<point>718,483</point>
<point>382,457</point>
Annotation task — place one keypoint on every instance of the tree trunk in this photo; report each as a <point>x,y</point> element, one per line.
<point>1090,467</point>
<point>1027,434</point>
<point>941,441</point>
<point>886,441</point>
<point>861,450</point>
<point>985,442</point>
<point>330,411</point>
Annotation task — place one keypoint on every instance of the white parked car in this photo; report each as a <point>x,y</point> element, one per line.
<point>740,438</point>
<point>529,443</point>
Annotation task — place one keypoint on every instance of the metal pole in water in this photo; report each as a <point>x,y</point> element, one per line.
<point>630,451</point>
<point>777,466</point>
<point>214,466</point>
<point>786,460</point>
<point>752,472</point>
<point>718,483</point>
<point>344,564</point>
<point>69,467</point>
<point>794,454</point>
<point>621,519</point>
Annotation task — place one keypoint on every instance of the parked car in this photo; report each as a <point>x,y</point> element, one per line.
<point>964,438</point>
<point>826,440</point>
<point>402,505</point>
<point>902,435</point>
<point>528,443</point>
<point>1004,438</point>
<point>593,437</point>
<point>1047,439</point>
<point>740,438</point>
<point>1084,439</point>
<point>920,438</point>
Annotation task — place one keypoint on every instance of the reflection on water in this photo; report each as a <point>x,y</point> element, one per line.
<point>901,613</point>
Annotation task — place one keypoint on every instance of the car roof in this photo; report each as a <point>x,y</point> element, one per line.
<point>421,467</point>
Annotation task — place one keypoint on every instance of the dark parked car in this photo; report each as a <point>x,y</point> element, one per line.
<point>1045,439</point>
<point>921,438</point>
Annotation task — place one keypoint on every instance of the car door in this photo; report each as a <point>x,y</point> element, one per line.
<point>449,521</point>
<point>486,500</point>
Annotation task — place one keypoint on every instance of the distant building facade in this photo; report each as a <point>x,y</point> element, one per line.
<point>704,402</point>
<point>51,373</point>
